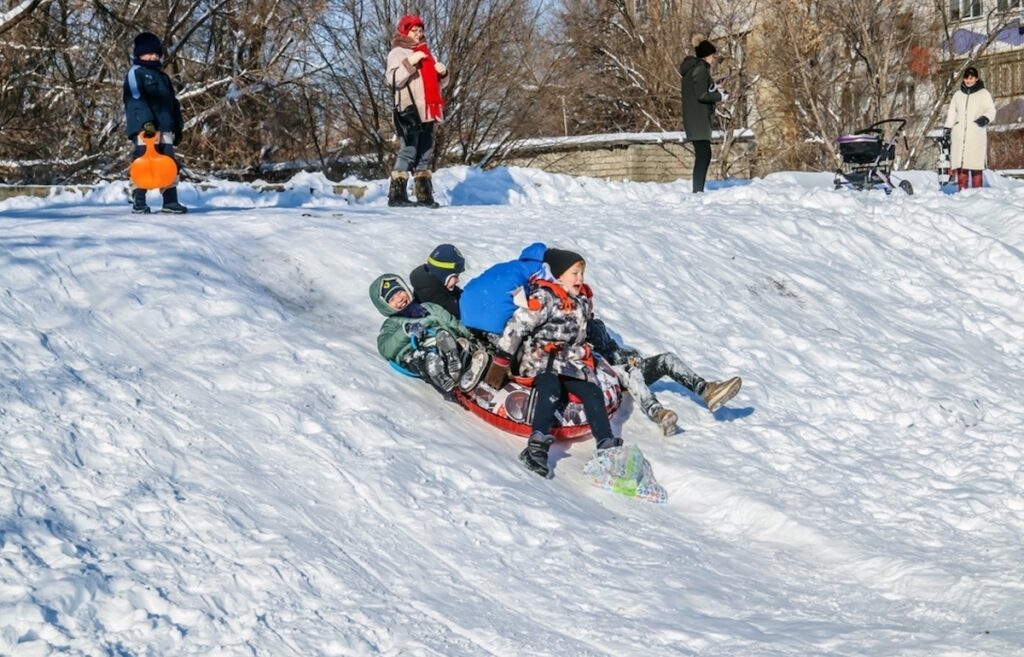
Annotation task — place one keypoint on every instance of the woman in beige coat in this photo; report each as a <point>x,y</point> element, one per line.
<point>416,80</point>
<point>970,110</point>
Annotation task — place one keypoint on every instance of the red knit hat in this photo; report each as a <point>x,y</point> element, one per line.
<point>407,23</point>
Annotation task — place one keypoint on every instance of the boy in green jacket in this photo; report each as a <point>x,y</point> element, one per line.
<point>418,337</point>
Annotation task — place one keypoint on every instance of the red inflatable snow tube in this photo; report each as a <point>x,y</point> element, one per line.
<point>510,409</point>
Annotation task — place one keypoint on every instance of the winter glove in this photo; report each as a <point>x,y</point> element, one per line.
<point>440,68</point>
<point>148,129</point>
<point>177,138</point>
<point>417,57</point>
<point>981,121</point>
<point>415,330</point>
<point>947,133</point>
<point>497,372</point>
<point>724,95</point>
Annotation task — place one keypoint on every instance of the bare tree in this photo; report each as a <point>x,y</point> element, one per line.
<point>621,63</point>
<point>261,82</point>
<point>233,63</point>
<point>945,78</point>
<point>834,66</point>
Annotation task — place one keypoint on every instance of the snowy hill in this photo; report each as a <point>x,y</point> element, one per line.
<point>202,454</point>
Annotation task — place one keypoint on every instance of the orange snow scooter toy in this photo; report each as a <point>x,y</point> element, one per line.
<point>153,170</point>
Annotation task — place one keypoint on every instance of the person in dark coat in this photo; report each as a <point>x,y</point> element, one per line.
<point>437,281</point>
<point>699,95</point>
<point>151,108</point>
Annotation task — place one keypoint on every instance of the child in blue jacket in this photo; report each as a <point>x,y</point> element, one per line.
<point>152,109</point>
<point>488,301</point>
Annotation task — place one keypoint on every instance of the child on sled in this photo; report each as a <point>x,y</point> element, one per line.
<point>420,338</point>
<point>549,337</point>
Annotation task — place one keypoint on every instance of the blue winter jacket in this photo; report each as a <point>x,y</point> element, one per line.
<point>149,96</point>
<point>486,303</point>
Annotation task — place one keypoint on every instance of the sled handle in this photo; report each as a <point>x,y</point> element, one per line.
<point>149,142</point>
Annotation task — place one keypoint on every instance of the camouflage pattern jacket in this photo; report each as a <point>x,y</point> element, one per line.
<point>553,327</point>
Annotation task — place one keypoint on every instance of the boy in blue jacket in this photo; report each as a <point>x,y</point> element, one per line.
<point>488,301</point>
<point>151,108</point>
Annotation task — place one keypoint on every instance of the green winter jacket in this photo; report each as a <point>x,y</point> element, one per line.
<point>698,98</point>
<point>393,341</point>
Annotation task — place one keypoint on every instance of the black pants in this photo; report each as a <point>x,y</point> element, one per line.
<point>701,162</point>
<point>550,390</point>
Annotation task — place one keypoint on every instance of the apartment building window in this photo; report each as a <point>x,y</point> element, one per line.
<point>1006,5</point>
<point>960,10</point>
<point>640,10</point>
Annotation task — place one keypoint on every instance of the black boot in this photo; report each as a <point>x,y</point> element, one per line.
<point>398,193</point>
<point>535,456</point>
<point>423,185</point>
<point>429,366</point>
<point>609,442</point>
<point>139,201</point>
<point>171,204</point>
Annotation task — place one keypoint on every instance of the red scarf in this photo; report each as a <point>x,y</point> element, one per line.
<point>431,85</point>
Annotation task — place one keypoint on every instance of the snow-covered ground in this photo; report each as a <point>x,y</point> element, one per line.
<point>202,454</point>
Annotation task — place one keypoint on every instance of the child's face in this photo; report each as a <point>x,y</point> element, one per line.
<point>399,300</point>
<point>149,57</point>
<point>451,282</point>
<point>572,278</point>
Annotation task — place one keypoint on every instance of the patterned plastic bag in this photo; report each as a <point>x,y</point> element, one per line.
<point>626,471</point>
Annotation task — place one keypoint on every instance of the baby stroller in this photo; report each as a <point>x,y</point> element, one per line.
<point>868,158</point>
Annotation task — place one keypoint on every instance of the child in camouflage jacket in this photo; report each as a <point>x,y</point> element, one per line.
<point>548,336</point>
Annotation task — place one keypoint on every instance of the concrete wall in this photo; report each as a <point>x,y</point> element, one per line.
<point>639,162</point>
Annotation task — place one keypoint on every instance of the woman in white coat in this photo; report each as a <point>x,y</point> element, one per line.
<point>970,110</point>
<point>416,79</point>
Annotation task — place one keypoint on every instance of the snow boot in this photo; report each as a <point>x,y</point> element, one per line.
<point>171,204</point>
<point>474,370</point>
<point>608,443</point>
<point>664,418</point>
<point>437,372</point>
<point>398,193</point>
<point>716,393</point>
<point>423,186</point>
<point>449,350</point>
<point>535,456</point>
<point>466,350</point>
<point>139,201</point>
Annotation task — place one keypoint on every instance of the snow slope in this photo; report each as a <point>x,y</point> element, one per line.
<point>202,454</point>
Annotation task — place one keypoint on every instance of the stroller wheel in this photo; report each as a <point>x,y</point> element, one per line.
<point>907,187</point>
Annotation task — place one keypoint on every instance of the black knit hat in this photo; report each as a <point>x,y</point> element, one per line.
<point>444,261</point>
<point>705,48</point>
<point>146,43</point>
<point>558,260</point>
